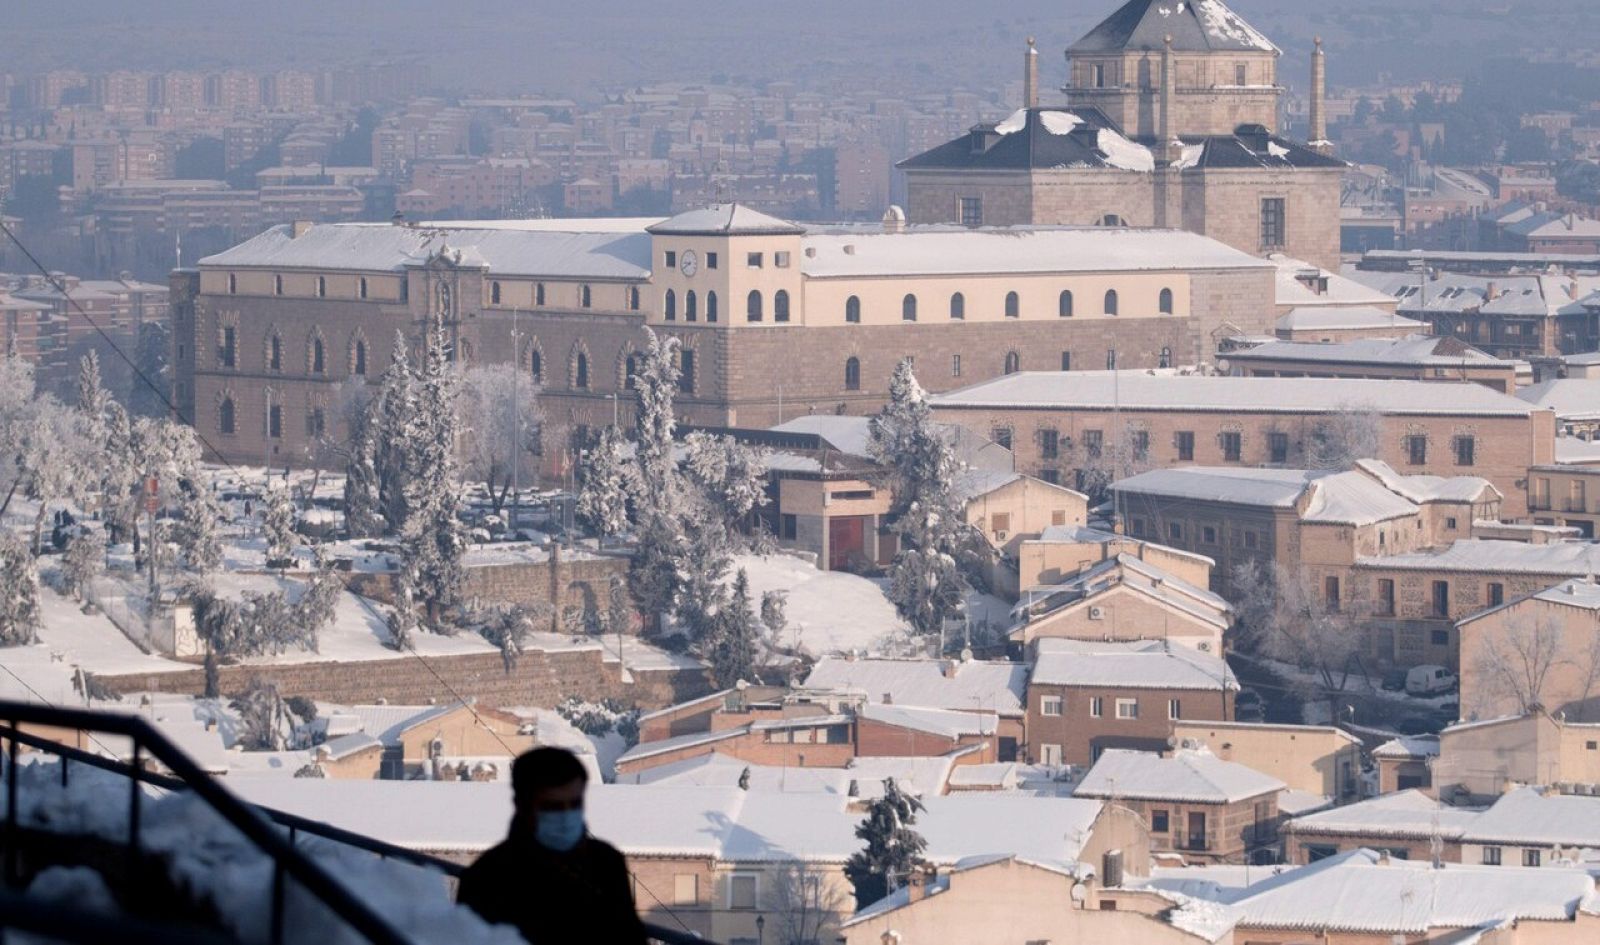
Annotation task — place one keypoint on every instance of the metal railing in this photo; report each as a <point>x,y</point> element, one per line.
<point>263,826</point>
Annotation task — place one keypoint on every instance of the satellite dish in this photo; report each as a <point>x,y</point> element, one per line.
<point>1223,366</point>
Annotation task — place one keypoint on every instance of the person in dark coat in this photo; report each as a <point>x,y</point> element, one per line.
<point>549,878</point>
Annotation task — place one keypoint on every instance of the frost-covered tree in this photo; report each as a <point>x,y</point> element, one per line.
<point>19,593</point>
<point>925,580</point>
<point>52,458</point>
<point>506,626</point>
<point>119,478</point>
<point>603,485</point>
<point>775,612</point>
<point>198,542</point>
<point>148,395</point>
<point>1340,438</point>
<point>893,847</point>
<point>265,722</point>
<point>433,540</point>
<point>1282,614</point>
<point>659,566</point>
<point>277,525</point>
<point>363,507</point>
<point>392,410</point>
<point>318,604</point>
<point>93,399</point>
<point>500,422</point>
<point>81,564</point>
<point>804,904</point>
<point>732,644</point>
<point>730,479</point>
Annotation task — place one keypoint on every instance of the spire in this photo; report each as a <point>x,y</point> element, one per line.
<point>1319,128</point>
<point>1030,76</point>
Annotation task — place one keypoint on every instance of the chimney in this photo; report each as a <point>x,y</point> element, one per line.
<point>950,668</point>
<point>894,220</point>
<point>1319,122</point>
<point>1166,149</point>
<point>918,882</point>
<point>299,228</point>
<point>1492,293</point>
<point>1030,76</point>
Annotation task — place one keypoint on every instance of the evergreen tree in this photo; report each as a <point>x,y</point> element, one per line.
<point>394,457</point>
<point>197,530</point>
<point>149,393</point>
<point>774,612</point>
<point>277,526</point>
<point>603,485</point>
<point>363,514</point>
<point>433,540</point>
<point>265,723</point>
<point>658,569</point>
<point>93,399</point>
<point>119,478</point>
<point>925,581</point>
<point>19,593</point>
<point>893,848</point>
<point>81,564</point>
<point>733,642</point>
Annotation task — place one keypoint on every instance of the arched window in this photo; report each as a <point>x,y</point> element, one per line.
<point>852,374</point>
<point>1166,357</point>
<point>361,287</point>
<point>852,310</point>
<point>691,306</point>
<point>1064,305</point>
<point>277,285</point>
<point>908,308</point>
<point>1165,304</point>
<point>1111,301</point>
<point>225,421</point>
<point>958,306</point>
<point>322,287</point>
<point>536,366</point>
<point>669,306</point>
<point>274,353</point>
<point>405,289</point>
<point>233,285</point>
<point>633,365</point>
<point>1112,219</point>
<point>494,293</point>
<point>780,306</point>
<point>359,368</point>
<point>538,293</point>
<point>318,357</point>
<point>711,306</point>
<point>633,299</point>
<point>1013,305</point>
<point>1013,362</point>
<point>584,298</point>
<point>686,370</point>
<point>752,306</point>
<point>580,372</point>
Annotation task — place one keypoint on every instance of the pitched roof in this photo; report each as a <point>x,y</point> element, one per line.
<point>727,219</point>
<point>1335,318</point>
<point>1410,814</point>
<point>1423,350</point>
<point>1572,398</point>
<point>1187,775</point>
<point>1567,559</point>
<point>972,685</point>
<point>1194,25</point>
<point>945,722</point>
<point>1534,816</point>
<point>1134,664</point>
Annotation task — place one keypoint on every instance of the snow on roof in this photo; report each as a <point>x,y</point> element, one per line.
<point>1134,664</point>
<point>1411,814</point>
<point>1188,775</point>
<point>922,775</point>
<point>384,247</point>
<point>1329,318</point>
<point>1293,803</point>
<point>950,251</point>
<point>1340,290</point>
<point>1049,830</point>
<point>1570,559</point>
<point>1193,25</point>
<point>1126,572</point>
<point>971,685</point>
<point>1347,498</point>
<point>719,770</point>
<point>1150,390</point>
<point>69,638</point>
<point>387,722</point>
<point>1578,592</point>
<point>994,775</point>
<point>1575,452</point>
<point>1425,488</point>
<point>1571,398</point>
<point>1359,891</point>
<point>1420,350</point>
<point>945,722</point>
<point>728,219</point>
<point>1409,746</point>
<point>851,435</point>
<point>343,746</point>
<point>1351,498</point>
<point>1538,816</point>
<point>678,742</point>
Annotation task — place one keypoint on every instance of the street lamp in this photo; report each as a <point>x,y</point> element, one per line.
<point>761,928</point>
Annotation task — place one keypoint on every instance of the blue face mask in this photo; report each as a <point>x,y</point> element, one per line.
<point>559,830</point>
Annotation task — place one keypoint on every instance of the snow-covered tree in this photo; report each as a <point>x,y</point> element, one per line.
<point>804,904</point>
<point>265,722</point>
<point>499,416</point>
<point>433,540</point>
<point>151,356</point>
<point>81,564</point>
<point>93,399</point>
<point>732,644</point>
<point>52,458</point>
<point>659,567</point>
<point>392,411</point>
<point>893,847</point>
<point>730,479</point>
<point>603,485</point>
<point>1340,438</point>
<point>506,626</point>
<point>19,593</point>
<point>119,478</point>
<point>774,612</point>
<point>277,525</point>
<point>317,604</point>
<point>198,542</point>
<point>1282,614</point>
<point>363,507</point>
<point>925,580</point>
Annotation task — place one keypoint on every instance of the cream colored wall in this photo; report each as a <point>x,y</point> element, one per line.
<point>521,292</point>
<point>1042,562</point>
<point>1031,505</point>
<point>464,737</point>
<point>302,283</point>
<point>728,924</point>
<point>805,497</point>
<point>1039,296</point>
<point>1485,759</point>
<point>363,765</point>
<point>1126,615</point>
<point>732,280</point>
<point>1571,681</point>
<point>1304,757</point>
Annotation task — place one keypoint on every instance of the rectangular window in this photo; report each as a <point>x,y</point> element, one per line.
<point>671,259</point>
<point>1093,442</point>
<point>742,891</point>
<point>1238,74</point>
<point>1330,594</point>
<point>1439,637</point>
<point>685,889</point>
<point>780,259</point>
<point>1097,76</point>
<point>1049,705</point>
<point>1385,597</point>
<point>711,260</point>
<point>275,421</point>
<point>1096,707</point>
<point>753,260</point>
<point>1001,522</point>
<point>1531,857</point>
<point>972,211</point>
<point>1272,222</point>
<point>1466,450</point>
<point>1208,534</point>
<point>1491,856</point>
<point>1049,444</point>
<point>1497,593</point>
<point>1186,446</point>
<point>955,365</point>
<point>1232,447</point>
<point>1141,445</point>
<point>1175,531</point>
<point>1066,360</point>
<point>1053,476</point>
<point>1441,598</point>
<point>1278,448</point>
<point>1049,754</point>
<point>1128,709</point>
<point>1250,539</point>
<point>788,526</point>
<point>1174,709</point>
<point>314,422</point>
<point>1160,821</point>
<point>1417,450</point>
<point>1450,523</point>
<point>229,353</point>
<point>1001,436</point>
<point>1057,516</point>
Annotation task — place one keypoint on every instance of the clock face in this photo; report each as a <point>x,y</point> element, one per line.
<point>688,263</point>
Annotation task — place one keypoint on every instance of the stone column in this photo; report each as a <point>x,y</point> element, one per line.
<point>1167,149</point>
<point>1030,76</point>
<point>1319,128</point>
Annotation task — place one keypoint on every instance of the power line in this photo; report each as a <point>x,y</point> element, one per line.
<point>40,696</point>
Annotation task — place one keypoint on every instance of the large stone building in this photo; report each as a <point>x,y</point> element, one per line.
<point>1170,121</point>
<point>775,320</point>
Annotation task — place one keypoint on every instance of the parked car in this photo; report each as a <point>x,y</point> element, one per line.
<point>1429,679</point>
<point>1394,680</point>
<point>1248,707</point>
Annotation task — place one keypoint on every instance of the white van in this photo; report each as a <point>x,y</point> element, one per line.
<point>1429,680</point>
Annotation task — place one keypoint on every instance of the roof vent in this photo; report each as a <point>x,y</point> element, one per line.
<point>894,220</point>
<point>1254,137</point>
<point>811,252</point>
<point>849,249</point>
<point>299,228</point>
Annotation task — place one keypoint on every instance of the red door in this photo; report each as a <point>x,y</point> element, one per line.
<point>846,541</point>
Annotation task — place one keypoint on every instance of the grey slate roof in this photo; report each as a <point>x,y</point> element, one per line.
<point>1194,25</point>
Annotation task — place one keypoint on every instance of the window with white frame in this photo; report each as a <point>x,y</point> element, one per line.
<point>1049,705</point>
<point>1049,754</point>
<point>1127,708</point>
<point>1096,707</point>
<point>1174,709</point>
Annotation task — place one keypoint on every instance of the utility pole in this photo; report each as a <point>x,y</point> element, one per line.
<point>516,424</point>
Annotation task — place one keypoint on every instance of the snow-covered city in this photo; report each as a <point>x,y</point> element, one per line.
<point>899,497</point>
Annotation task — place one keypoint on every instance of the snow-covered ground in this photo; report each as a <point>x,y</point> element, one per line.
<point>828,611</point>
<point>70,639</point>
